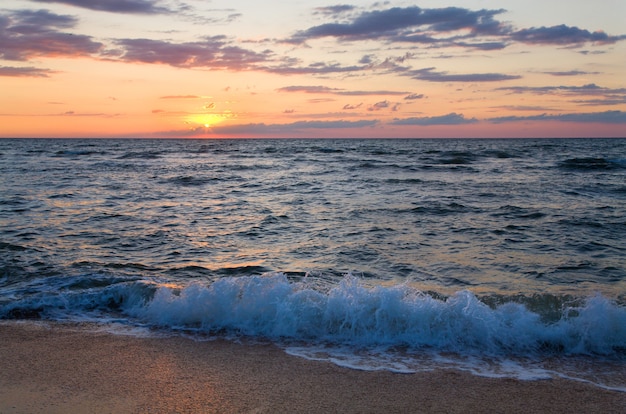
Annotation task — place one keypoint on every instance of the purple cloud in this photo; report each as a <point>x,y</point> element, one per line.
<point>533,108</point>
<point>336,91</point>
<point>441,27</point>
<point>486,46</point>
<point>602,96</point>
<point>606,117</point>
<point>114,6</point>
<point>589,89</point>
<point>399,24</point>
<point>414,96</point>
<point>214,52</point>
<point>449,119</point>
<point>563,35</point>
<point>571,73</point>
<point>316,68</point>
<point>269,129</point>
<point>308,89</point>
<point>365,93</point>
<point>428,74</point>
<point>25,34</point>
<point>605,101</point>
<point>334,10</point>
<point>24,72</point>
<point>379,105</point>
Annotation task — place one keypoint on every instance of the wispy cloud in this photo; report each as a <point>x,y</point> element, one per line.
<point>570,73</point>
<point>602,95</point>
<point>377,93</point>
<point>449,119</point>
<point>430,75</point>
<point>315,68</point>
<point>25,72</point>
<point>115,6</point>
<point>379,106</point>
<point>334,10</point>
<point>414,96</point>
<point>563,35</point>
<point>180,97</point>
<point>588,89</point>
<point>337,91</point>
<point>606,117</point>
<point>533,108</point>
<point>269,129</point>
<point>309,89</point>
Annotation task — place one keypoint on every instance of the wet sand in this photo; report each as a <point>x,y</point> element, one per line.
<point>55,368</point>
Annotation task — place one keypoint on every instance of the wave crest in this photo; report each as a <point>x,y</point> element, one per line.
<point>352,313</point>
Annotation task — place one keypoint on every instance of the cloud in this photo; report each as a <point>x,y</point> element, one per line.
<point>269,129</point>
<point>308,89</point>
<point>321,100</point>
<point>84,114</point>
<point>533,108</point>
<point>592,52</point>
<point>563,35</point>
<point>405,24</point>
<point>449,119</point>
<point>602,96</point>
<point>429,75</point>
<point>414,96</point>
<point>379,105</point>
<point>606,117</point>
<point>589,89</point>
<point>36,21</point>
<point>486,46</point>
<point>180,97</point>
<point>316,68</point>
<point>26,34</point>
<point>332,124</point>
<point>336,91</point>
<point>114,6</point>
<point>350,107</point>
<point>571,73</point>
<point>608,100</point>
<point>365,93</point>
<point>444,27</point>
<point>25,72</point>
<point>334,10</point>
<point>215,52</point>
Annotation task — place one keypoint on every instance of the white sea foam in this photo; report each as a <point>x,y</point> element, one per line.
<point>350,313</point>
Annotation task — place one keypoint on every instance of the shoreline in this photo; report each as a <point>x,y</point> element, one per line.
<point>58,368</point>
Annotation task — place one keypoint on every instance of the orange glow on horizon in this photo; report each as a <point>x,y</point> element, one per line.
<point>208,120</point>
<point>296,76</point>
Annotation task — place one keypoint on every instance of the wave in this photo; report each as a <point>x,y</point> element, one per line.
<point>145,155</point>
<point>592,164</point>
<point>349,312</point>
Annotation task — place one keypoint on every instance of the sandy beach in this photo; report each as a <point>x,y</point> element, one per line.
<point>54,368</point>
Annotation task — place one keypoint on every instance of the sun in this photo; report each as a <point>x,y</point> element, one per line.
<point>209,120</point>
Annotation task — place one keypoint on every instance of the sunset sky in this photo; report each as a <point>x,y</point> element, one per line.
<point>200,68</point>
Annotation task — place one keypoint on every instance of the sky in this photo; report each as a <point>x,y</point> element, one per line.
<point>389,69</point>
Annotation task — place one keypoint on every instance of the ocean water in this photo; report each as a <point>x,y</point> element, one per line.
<point>501,257</point>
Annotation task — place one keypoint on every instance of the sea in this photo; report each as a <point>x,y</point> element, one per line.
<point>505,258</point>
